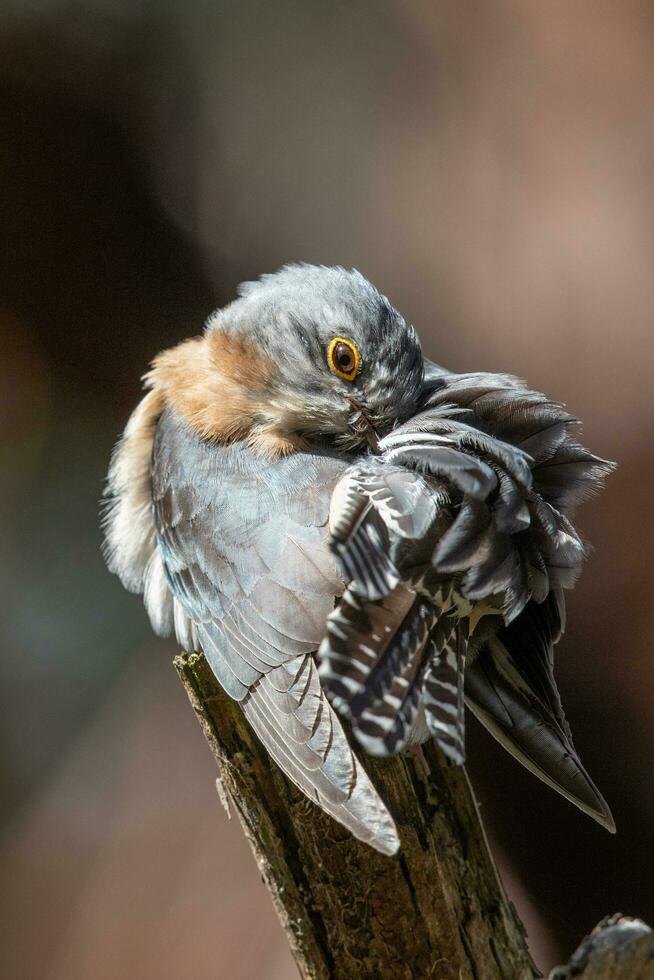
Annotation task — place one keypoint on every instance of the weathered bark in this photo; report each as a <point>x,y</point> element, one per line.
<point>436,910</point>
<point>619,948</point>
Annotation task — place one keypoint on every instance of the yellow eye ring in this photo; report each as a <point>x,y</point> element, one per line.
<point>343,358</point>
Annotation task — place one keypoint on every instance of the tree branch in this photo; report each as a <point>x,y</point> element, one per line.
<point>437,909</point>
<point>618,948</point>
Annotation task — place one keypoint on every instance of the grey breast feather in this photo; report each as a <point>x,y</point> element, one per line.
<point>244,547</point>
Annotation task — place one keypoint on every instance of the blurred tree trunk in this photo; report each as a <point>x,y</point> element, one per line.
<point>437,909</point>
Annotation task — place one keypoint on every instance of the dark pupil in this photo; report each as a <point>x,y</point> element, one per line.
<point>344,358</point>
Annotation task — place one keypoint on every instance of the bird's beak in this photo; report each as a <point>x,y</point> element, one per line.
<point>362,427</point>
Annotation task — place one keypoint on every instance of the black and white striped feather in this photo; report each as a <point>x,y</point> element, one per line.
<point>505,471</point>
<point>442,699</point>
<point>373,660</point>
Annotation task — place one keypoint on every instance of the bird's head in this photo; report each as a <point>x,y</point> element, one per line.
<point>307,355</point>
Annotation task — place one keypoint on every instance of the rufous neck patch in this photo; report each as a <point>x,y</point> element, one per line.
<point>221,385</point>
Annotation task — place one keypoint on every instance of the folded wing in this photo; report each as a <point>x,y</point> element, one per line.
<point>244,552</point>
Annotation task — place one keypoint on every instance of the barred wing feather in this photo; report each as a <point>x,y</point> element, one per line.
<point>505,471</point>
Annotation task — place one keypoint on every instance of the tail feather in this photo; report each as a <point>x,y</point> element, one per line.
<point>372,661</point>
<point>510,687</point>
<point>443,688</point>
<point>384,715</point>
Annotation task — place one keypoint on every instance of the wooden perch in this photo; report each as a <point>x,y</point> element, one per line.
<point>437,909</point>
<point>619,948</point>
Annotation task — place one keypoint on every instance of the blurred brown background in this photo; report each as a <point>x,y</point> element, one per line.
<point>491,167</point>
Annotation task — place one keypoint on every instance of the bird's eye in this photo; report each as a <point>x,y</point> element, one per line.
<point>343,358</point>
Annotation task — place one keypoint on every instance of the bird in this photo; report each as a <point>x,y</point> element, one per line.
<point>349,532</point>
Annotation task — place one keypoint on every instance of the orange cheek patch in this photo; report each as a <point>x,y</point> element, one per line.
<point>236,359</point>
<point>220,385</point>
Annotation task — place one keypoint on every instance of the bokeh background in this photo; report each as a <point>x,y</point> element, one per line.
<point>491,167</point>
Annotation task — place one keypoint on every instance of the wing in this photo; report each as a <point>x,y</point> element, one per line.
<point>390,650</point>
<point>244,548</point>
<point>510,686</point>
<point>505,466</point>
